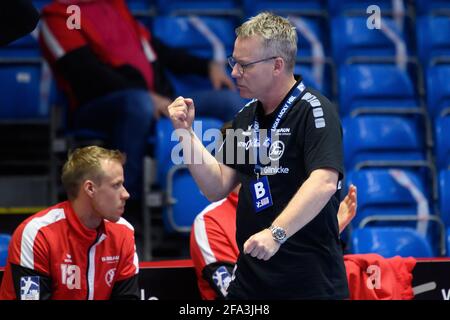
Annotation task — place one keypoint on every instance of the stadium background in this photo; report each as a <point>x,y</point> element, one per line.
<point>390,85</point>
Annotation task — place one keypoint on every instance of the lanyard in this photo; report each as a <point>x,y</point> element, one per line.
<point>283,111</point>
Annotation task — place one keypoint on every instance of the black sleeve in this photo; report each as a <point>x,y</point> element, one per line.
<point>179,61</point>
<point>37,281</point>
<point>90,78</point>
<point>218,275</point>
<point>17,19</point>
<point>127,289</point>
<point>323,137</point>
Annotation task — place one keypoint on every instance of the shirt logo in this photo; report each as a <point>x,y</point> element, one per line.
<point>71,276</point>
<point>222,279</point>
<point>276,150</point>
<point>268,171</point>
<point>29,288</point>
<point>249,131</point>
<point>109,276</point>
<point>110,259</point>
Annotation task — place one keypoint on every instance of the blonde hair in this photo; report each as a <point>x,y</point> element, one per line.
<point>83,164</point>
<point>278,34</point>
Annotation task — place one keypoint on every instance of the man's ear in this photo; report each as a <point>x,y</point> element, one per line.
<point>279,65</point>
<point>89,188</point>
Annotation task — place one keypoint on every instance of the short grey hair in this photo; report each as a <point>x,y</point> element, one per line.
<point>278,34</point>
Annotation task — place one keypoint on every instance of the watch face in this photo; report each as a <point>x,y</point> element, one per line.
<point>278,233</point>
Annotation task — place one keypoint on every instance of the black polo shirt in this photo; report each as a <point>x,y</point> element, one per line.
<point>309,265</point>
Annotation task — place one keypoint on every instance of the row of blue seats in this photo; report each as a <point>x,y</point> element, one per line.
<point>393,138</point>
<point>350,40</point>
<point>333,6</point>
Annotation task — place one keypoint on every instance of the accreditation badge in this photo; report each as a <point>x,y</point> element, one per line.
<point>260,189</point>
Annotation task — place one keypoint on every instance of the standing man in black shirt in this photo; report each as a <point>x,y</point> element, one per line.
<point>287,230</point>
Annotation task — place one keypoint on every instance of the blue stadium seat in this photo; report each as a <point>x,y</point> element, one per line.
<point>208,7</point>
<point>184,197</point>
<point>351,38</point>
<point>375,86</point>
<point>442,145</point>
<point>185,202</point>
<point>165,144</point>
<point>425,7</point>
<point>4,243</point>
<point>448,242</point>
<point>25,48</point>
<point>39,4</point>
<point>20,92</point>
<point>344,7</point>
<point>179,32</point>
<point>433,42</point>
<point>315,28</point>
<point>390,241</point>
<point>438,90</point>
<point>382,138</point>
<point>139,5</point>
<point>283,7</point>
<point>308,78</point>
<point>444,196</point>
<point>379,193</point>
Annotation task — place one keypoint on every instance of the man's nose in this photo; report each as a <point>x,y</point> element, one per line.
<point>235,72</point>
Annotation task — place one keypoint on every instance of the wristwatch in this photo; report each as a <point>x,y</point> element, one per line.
<point>278,234</point>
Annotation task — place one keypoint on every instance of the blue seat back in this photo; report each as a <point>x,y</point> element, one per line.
<point>221,7</point>
<point>444,196</point>
<point>139,5</point>
<point>442,144</point>
<point>425,7</point>
<point>438,90</point>
<point>26,47</point>
<point>374,86</point>
<point>432,38</point>
<point>20,92</point>
<point>342,7</point>
<point>307,73</point>
<point>382,137</point>
<point>448,243</point>
<point>168,150</point>
<point>282,7</point>
<point>39,4</point>
<point>189,201</point>
<point>314,27</point>
<point>351,38</point>
<point>380,194</point>
<point>179,32</point>
<point>390,241</point>
<point>4,243</point>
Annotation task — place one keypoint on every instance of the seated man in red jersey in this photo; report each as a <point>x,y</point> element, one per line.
<point>80,249</point>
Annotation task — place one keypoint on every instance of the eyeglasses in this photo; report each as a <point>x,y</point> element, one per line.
<point>241,67</point>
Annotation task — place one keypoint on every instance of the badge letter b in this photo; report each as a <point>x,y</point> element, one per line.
<point>259,190</point>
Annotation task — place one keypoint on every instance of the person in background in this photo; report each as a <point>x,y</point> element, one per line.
<point>79,249</point>
<point>113,70</point>
<point>17,19</point>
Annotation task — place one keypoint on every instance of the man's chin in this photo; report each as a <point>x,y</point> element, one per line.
<point>116,217</point>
